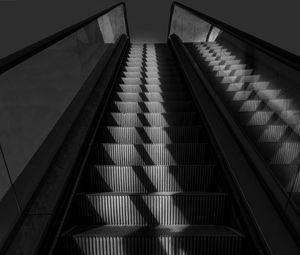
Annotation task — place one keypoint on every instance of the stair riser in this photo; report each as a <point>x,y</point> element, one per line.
<point>280,154</point>
<point>221,62</point>
<point>150,209</point>
<point>150,120</point>
<point>257,118</point>
<point>150,245</point>
<point>153,68</point>
<point>148,107</point>
<point>139,75</point>
<point>246,78</point>
<point>223,57</point>
<point>151,135</point>
<point>150,58</point>
<point>157,81</point>
<point>247,106</point>
<point>151,65</point>
<point>135,155</point>
<point>166,70</point>
<point>232,67</point>
<point>149,88</point>
<point>150,97</point>
<point>151,178</point>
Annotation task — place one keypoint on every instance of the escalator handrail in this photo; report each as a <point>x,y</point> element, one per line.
<point>274,51</point>
<point>23,54</point>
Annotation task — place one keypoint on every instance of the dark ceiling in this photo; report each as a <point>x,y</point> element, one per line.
<point>24,22</point>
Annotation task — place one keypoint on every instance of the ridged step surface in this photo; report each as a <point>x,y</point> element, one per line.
<point>151,107</point>
<point>127,135</point>
<point>152,97</point>
<point>152,154</point>
<point>149,88</point>
<point>143,81</point>
<point>161,240</point>
<point>151,178</point>
<point>151,119</point>
<point>151,209</point>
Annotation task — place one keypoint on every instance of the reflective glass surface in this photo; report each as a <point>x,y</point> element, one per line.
<point>261,92</point>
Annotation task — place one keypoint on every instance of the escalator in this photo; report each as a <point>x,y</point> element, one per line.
<point>266,112</point>
<point>152,182</point>
<point>178,148</point>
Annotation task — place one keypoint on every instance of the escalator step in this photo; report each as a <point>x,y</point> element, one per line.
<point>151,178</point>
<point>164,208</point>
<point>162,69</point>
<point>143,81</point>
<point>232,67</point>
<point>222,62</point>
<point>151,135</point>
<point>149,88</point>
<point>284,153</point>
<point>151,119</point>
<point>288,176</point>
<point>150,59</point>
<point>153,68</point>
<point>271,133</point>
<point>159,240</point>
<point>147,74</point>
<point>152,154</point>
<point>259,118</point>
<point>247,106</point>
<point>154,97</point>
<point>151,107</point>
<point>168,70</point>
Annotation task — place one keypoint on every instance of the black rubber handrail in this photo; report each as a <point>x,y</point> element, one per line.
<point>268,48</point>
<point>19,56</point>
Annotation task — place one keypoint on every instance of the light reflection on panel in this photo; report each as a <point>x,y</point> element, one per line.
<point>191,28</point>
<point>35,93</point>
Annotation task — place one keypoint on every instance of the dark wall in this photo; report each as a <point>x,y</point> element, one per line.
<point>25,21</point>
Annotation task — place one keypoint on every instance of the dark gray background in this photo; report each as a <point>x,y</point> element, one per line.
<point>23,22</point>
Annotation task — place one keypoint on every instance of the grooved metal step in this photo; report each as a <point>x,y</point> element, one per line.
<point>147,63</point>
<point>150,74</point>
<point>220,57</point>
<point>284,153</point>
<point>243,78</point>
<point>143,81</point>
<point>160,240</point>
<point>288,176</point>
<point>149,88</point>
<point>239,72</point>
<point>159,208</point>
<point>130,135</point>
<point>270,133</point>
<point>250,105</point>
<point>151,178</point>
<point>160,69</point>
<point>152,96</point>
<point>151,107</point>
<point>240,95</point>
<point>150,66</point>
<point>151,119</point>
<point>229,67</point>
<point>224,62</point>
<point>258,118</point>
<point>149,59</point>
<point>152,154</point>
